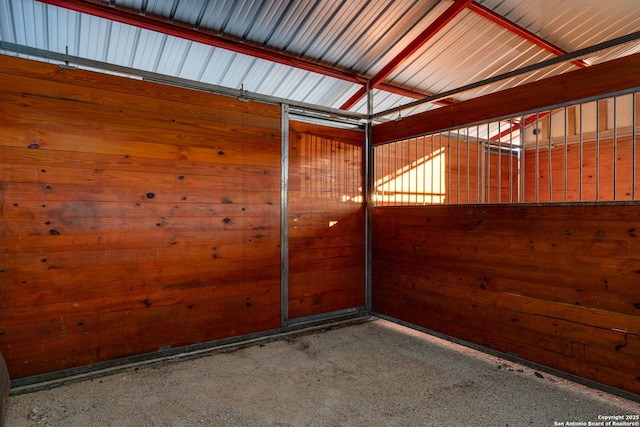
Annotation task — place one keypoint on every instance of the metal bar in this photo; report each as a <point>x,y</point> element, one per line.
<point>433,166</point>
<point>468,162</point>
<point>499,166</point>
<point>378,172</point>
<point>395,174</point>
<point>557,60</point>
<point>284,217</point>
<point>522,32</point>
<point>479,167</point>
<point>368,185</point>
<point>448,163</point>
<point>424,170</point>
<point>537,129</point>
<point>489,173</point>
<point>458,173</point>
<point>615,146</point>
<point>566,152</point>
<point>511,162</point>
<point>409,49</point>
<point>580,142</point>
<point>549,161</point>
<point>300,321</point>
<point>415,170</point>
<point>390,180</point>
<point>597,151</point>
<point>521,162</point>
<point>633,146</point>
<point>402,167</point>
<point>483,170</point>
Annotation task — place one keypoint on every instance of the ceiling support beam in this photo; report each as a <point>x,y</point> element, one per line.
<point>528,35</point>
<point>442,20</point>
<point>522,32</point>
<point>140,20</point>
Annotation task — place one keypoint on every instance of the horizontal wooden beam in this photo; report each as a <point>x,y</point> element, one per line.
<point>608,77</point>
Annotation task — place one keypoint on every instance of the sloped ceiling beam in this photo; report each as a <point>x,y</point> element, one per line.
<point>135,18</point>
<point>453,10</point>
<point>528,35</point>
<point>522,32</point>
<point>442,20</point>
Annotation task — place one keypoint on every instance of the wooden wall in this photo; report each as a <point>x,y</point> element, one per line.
<point>135,216</point>
<point>555,285</point>
<point>326,220</point>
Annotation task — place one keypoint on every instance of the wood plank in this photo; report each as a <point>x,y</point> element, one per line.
<point>16,192</point>
<point>179,167</point>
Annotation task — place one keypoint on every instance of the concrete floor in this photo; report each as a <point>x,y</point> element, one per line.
<point>367,374</point>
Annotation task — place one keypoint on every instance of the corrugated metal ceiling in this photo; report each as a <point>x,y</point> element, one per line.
<point>355,36</point>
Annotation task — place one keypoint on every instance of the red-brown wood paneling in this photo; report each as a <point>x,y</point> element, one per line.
<point>134,216</point>
<point>556,285</point>
<point>326,220</point>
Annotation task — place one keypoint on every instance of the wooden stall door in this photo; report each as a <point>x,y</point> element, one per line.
<point>326,220</point>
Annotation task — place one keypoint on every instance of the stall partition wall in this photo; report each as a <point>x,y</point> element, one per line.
<point>554,284</point>
<point>138,218</point>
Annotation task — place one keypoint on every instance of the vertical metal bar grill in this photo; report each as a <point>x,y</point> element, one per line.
<point>597,136</point>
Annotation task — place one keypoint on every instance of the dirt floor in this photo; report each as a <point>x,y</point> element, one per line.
<point>368,374</point>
